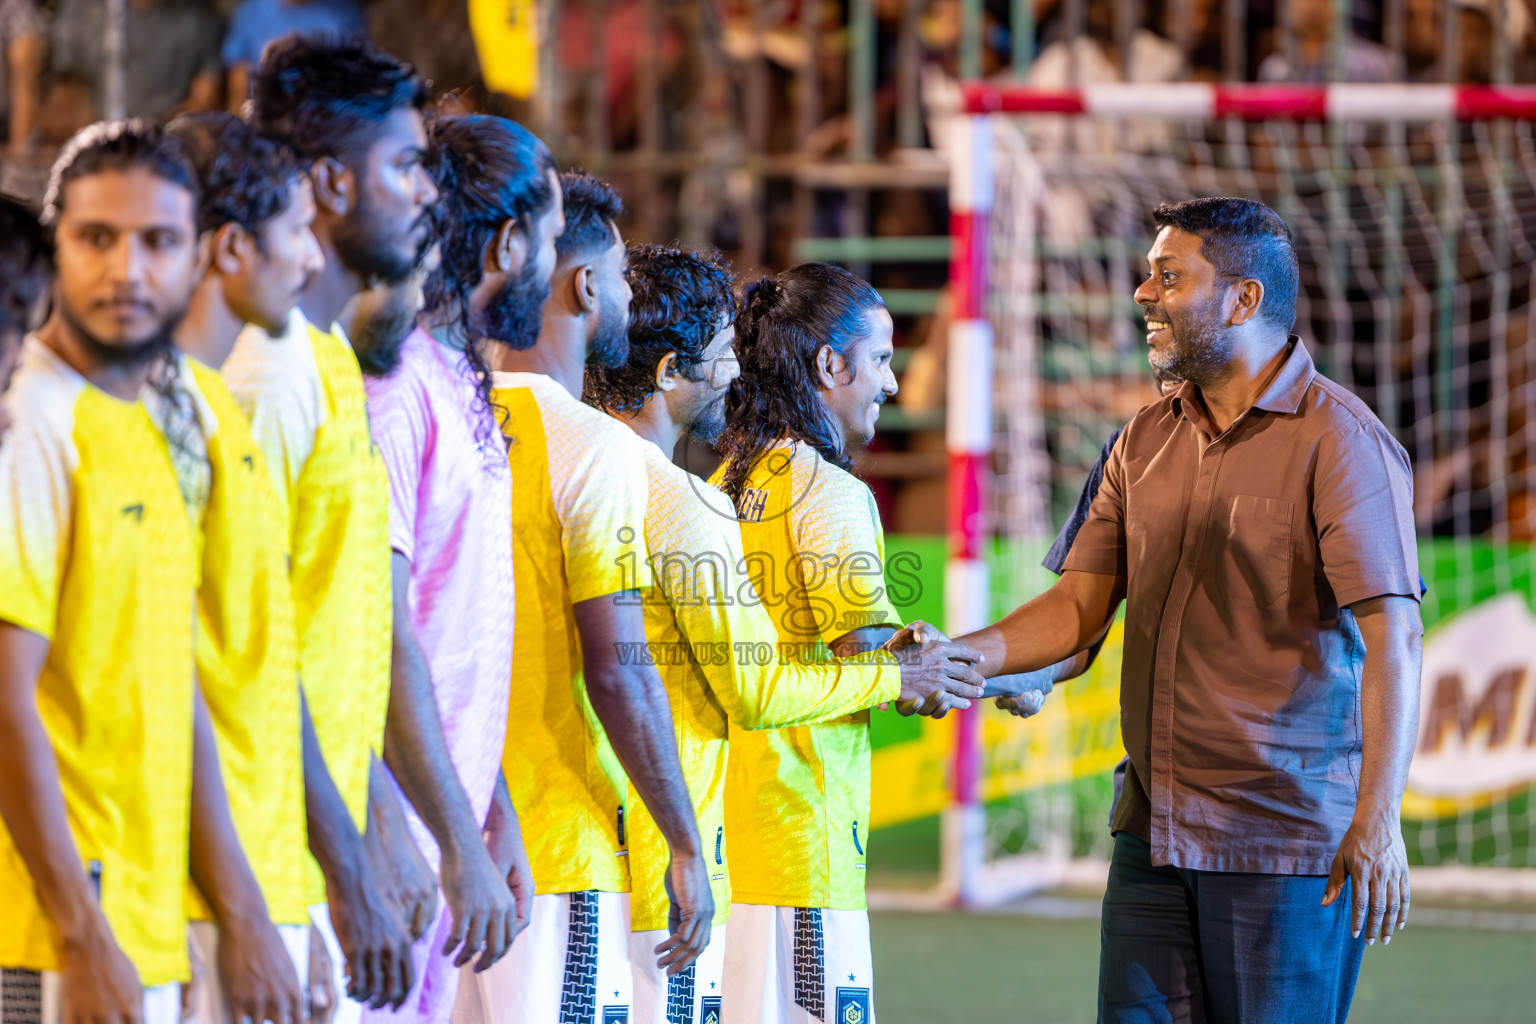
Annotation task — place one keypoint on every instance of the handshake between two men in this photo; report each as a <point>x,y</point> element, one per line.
<point>939,675</point>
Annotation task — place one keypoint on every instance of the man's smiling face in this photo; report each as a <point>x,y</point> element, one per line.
<point>1183,299</point>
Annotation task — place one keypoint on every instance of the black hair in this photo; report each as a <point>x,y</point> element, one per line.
<point>488,170</point>
<point>591,207</point>
<point>681,301</point>
<point>1243,238</point>
<point>121,146</point>
<point>117,146</point>
<point>26,266</point>
<point>783,322</point>
<point>245,176</point>
<point>328,96</point>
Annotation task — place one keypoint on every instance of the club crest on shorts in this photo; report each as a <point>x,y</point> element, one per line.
<point>710,1005</point>
<point>852,1006</point>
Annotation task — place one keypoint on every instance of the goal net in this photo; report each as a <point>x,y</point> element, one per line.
<point>1414,214</point>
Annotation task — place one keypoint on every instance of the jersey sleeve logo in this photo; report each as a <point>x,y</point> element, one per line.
<point>136,510</point>
<point>856,844</point>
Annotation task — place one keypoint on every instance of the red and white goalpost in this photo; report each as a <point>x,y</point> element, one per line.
<point>1414,208</point>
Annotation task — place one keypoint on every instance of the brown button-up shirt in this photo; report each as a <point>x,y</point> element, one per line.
<point>1241,553</point>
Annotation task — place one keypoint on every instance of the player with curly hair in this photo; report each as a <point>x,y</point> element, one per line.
<point>701,617</point>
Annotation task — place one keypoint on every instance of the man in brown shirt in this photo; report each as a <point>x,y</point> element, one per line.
<point>1258,523</point>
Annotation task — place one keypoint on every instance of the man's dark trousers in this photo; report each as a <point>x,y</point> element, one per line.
<point>1214,947</point>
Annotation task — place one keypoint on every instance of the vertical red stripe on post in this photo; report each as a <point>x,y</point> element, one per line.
<point>967,503</point>
<point>967,265</point>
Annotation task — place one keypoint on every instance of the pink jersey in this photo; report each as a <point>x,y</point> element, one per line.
<point>450,513</point>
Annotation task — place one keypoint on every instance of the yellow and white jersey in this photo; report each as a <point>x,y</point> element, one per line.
<point>303,393</point>
<point>719,653</point>
<point>578,512</point>
<point>247,652</point>
<point>797,800</point>
<point>96,555</point>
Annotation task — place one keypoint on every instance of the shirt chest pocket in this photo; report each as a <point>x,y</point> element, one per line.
<point>1255,565</point>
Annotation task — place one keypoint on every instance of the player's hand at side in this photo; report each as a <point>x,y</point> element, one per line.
<point>322,989</point>
<point>937,674</point>
<point>1374,858</point>
<point>691,916</point>
<point>504,841</point>
<point>373,937</point>
<point>396,857</point>
<point>257,975</point>
<point>484,911</point>
<point>99,983</point>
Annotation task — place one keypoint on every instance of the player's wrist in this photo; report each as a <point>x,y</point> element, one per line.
<point>686,849</point>
<point>83,931</point>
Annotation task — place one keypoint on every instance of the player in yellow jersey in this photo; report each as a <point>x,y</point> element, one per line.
<point>24,275</point>
<point>255,211</point>
<point>706,627</point>
<point>355,116</point>
<point>110,785</point>
<point>815,350</point>
<point>580,718</point>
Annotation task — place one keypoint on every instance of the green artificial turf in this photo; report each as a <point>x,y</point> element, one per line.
<point>981,968</point>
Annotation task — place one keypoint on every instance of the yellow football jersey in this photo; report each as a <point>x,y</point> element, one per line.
<point>719,654</point>
<point>578,510</point>
<point>304,395</point>
<point>247,652</point>
<point>97,556</point>
<point>797,800</point>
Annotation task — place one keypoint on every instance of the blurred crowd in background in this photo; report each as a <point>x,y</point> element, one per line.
<point>779,73</point>
<point>774,130</point>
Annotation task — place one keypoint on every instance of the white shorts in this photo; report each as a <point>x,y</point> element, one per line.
<point>208,1006</point>
<point>348,1011</point>
<point>790,965</point>
<point>569,966</point>
<point>692,997</point>
<point>35,997</point>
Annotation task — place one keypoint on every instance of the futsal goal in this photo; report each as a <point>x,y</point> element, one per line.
<point>1414,214</point>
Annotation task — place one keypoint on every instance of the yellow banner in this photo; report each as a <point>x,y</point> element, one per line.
<point>507,40</point>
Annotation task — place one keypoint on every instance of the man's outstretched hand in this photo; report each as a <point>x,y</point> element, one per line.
<point>937,674</point>
<point>1024,694</point>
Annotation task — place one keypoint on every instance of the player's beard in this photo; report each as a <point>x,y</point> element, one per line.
<point>514,317</point>
<point>609,347</point>
<point>124,357</point>
<point>1200,349</point>
<point>709,423</point>
<point>367,250</point>
<point>379,339</point>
